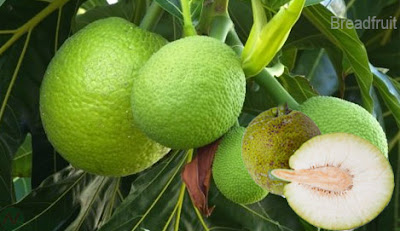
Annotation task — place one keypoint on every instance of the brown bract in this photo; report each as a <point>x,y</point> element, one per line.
<point>196,176</point>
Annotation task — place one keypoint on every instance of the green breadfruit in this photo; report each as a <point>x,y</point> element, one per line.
<point>189,93</point>
<point>336,115</point>
<point>85,99</point>
<point>230,174</point>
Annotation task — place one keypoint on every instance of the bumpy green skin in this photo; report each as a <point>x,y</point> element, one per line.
<point>189,93</point>
<point>230,174</point>
<point>85,99</point>
<point>336,115</point>
<point>269,141</point>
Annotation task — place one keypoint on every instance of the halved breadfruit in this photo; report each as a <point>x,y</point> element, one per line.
<point>339,181</point>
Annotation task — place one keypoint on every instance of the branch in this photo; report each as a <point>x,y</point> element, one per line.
<point>152,16</point>
<point>28,26</point>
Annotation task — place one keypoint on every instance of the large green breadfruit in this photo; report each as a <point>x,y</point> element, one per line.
<point>336,115</point>
<point>85,98</point>
<point>189,93</point>
<point>230,174</point>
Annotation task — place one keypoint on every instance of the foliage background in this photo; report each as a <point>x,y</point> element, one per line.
<point>54,196</point>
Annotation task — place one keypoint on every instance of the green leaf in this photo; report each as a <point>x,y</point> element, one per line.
<point>196,7</point>
<point>387,56</point>
<point>361,10</point>
<point>156,202</point>
<point>152,199</point>
<point>289,57</point>
<point>305,35</point>
<point>172,6</point>
<point>257,99</point>
<point>156,198</point>
<point>22,163</point>
<point>68,200</point>
<point>11,138</point>
<point>353,49</point>
<point>22,112</point>
<point>241,15</point>
<point>312,2</point>
<point>89,4</point>
<point>389,92</point>
<point>272,213</point>
<point>169,27</point>
<point>298,86</point>
<point>123,9</point>
<point>316,66</point>
<point>22,187</point>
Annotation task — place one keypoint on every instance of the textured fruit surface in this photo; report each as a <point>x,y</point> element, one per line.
<point>269,141</point>
<point>230,174</point>
<point>85,99</point>
<point>336,115</point>
<point>368,194</point>
<point>189,93</point>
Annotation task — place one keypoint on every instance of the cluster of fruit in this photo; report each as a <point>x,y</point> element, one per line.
<point>340,177</point>
<point>115,99</point>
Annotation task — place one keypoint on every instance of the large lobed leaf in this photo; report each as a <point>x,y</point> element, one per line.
<point>347,40</point>
<point>68,200</point>
<point>156,202</point>
<point>22,114</point>
<point>22,163</point>
<point>390,92</point>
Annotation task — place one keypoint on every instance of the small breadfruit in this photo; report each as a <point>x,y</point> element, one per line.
<point>339,181</point>
<point>269,141</point>
<point>229,173</point>
<point>85,99</point>
<point>336,115</point>
<point>189,93</point>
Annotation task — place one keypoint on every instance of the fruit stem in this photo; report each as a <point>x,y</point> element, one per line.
<point>215,20</point>
<point>277,92</point>
<point>139,8</point>
<point>188,28</point>
<point>152,16</point>
<point>220,27</point>
<point>264,78</point>
<point>326,178</point>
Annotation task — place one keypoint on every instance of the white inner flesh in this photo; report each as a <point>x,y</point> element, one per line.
<point>372,182</point>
